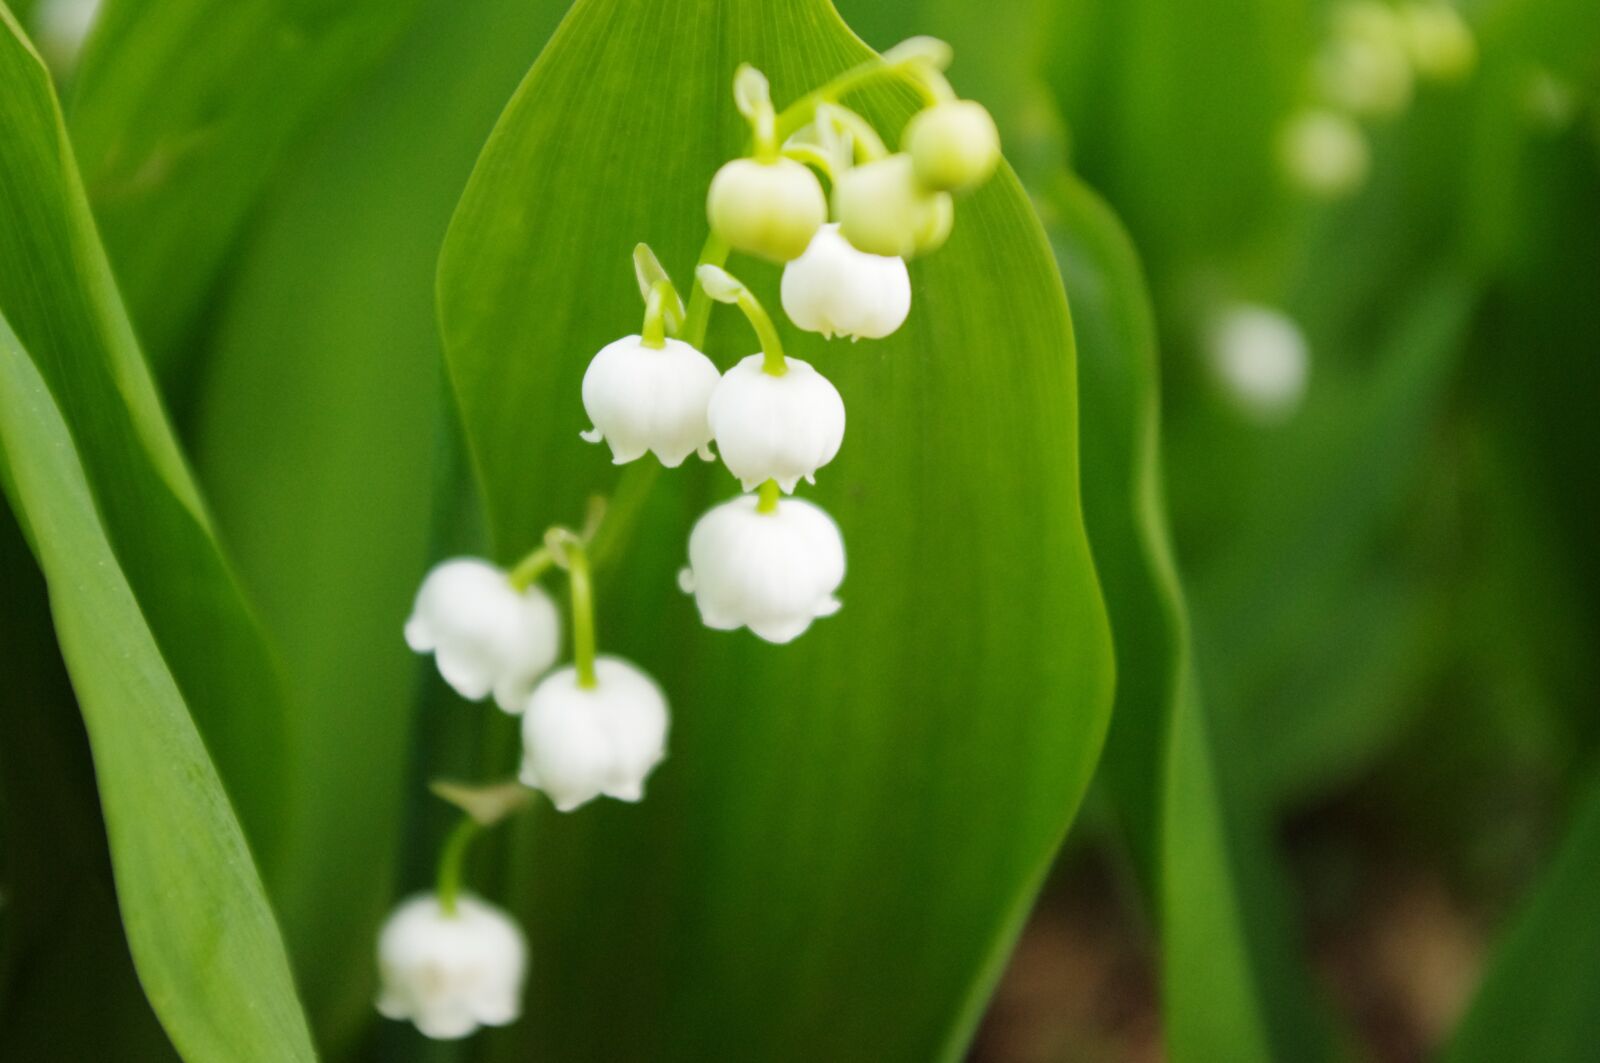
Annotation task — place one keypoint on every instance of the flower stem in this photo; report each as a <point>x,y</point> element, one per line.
<point>583,640</point>
<point>911,69</point>
<point>767,502</point>
<point>654,333</point>
<point>451,859</point>
<point>531,568</point>
<point>773,363</point>
<point>698,320</point>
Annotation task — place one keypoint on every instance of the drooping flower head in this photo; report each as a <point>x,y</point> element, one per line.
<point>954,145</point>
<point>580,742</point>
<point>773,572</point>
<point>835,289</point>
<point>451,972</point>
<point>645,399</point>
<point>884,210</point>
<point>767,205</point>
<point>781,428</point>
<point>485,635</point>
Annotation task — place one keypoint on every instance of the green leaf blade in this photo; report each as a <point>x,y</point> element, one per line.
<point>1232,986</point>
<point>1537,1001</point>
<point>193,907</point>
<point>57,292</point>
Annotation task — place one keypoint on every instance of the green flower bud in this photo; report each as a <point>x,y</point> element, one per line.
<point>884,210</point>
<point>768,209</point>
<point>954,145</point>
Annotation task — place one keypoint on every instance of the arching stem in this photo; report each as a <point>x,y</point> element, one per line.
<point>530,568</point>
<point>451,859</point>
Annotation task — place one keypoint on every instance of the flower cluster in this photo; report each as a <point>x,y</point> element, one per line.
<point>763,560</point>
<point>1367,68</point>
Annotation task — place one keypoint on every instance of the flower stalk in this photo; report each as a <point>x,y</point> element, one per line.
<point>452,857</point>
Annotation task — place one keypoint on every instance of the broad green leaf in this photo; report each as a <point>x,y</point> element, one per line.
<point>876,803</point>
<point>1232,985</point>
<point>1538,999</point>
<point>1123,498</point>
<point>318,439</point>
<point>57,292</point>
<point>196,916</point>
<point>183,111</point>
<point>67,984</point>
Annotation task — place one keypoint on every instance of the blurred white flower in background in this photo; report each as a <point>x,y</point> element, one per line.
<point>580,742</point>
<point>449,973</point>
<point>485,635</point>
<point>835,289</point>
<point>1365,67</point>
<point>645,399</point>
<point>1440,42</point>
<point>1262,360</point>
<point>781,428</point>
<point>1325,153</point>
<point>773,572</point>
<point>60,28</point>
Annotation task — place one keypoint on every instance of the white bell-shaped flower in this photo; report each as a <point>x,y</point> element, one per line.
<point>771,572</point>
<point>836,290</point>
<point>485,635</point>
<point>581,742</point>
<point>450,972</point>
<point>1325,153</point>
<point>1262,359</point>
<point>781,428</point>
<point>644,398</point>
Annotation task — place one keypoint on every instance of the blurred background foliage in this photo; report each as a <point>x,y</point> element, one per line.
<point>1347,804</point>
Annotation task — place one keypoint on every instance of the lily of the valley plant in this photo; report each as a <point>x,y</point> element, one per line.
<point>763,560</point>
